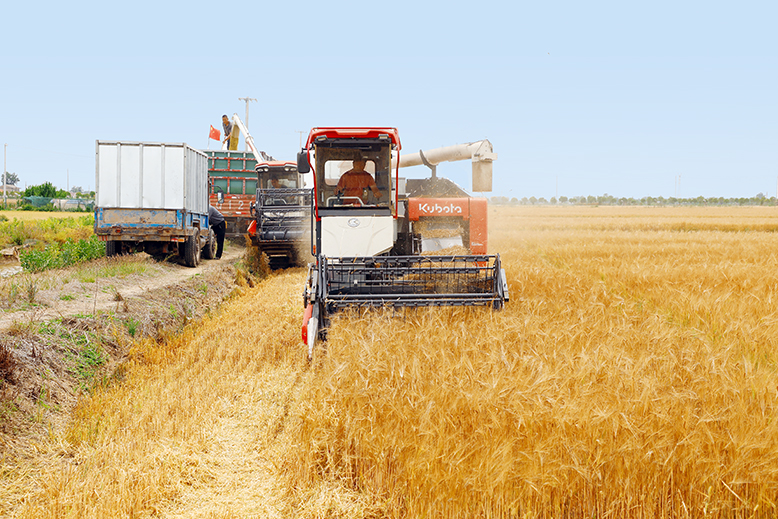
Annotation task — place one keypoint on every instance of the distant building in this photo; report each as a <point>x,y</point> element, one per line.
<point>73,204</point>
<point>10,188</point>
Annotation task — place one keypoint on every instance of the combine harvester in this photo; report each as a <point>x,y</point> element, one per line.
<point>282,214</point>
<point>368,252</point>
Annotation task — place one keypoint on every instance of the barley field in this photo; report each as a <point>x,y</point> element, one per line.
<point>632,374</point>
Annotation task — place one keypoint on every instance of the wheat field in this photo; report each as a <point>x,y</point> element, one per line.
<point>27,216</point>
<point>632,374</point>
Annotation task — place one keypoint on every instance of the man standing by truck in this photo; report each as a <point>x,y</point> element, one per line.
<point>219,228</point>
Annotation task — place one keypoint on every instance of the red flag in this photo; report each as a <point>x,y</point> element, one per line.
<point>215,134</point>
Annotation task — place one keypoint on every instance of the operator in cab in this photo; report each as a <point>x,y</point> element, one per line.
<point>355,181</point>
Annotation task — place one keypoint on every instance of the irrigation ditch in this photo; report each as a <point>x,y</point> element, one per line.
<point>65,332</point>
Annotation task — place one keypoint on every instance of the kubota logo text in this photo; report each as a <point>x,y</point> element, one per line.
<point>428,208</point>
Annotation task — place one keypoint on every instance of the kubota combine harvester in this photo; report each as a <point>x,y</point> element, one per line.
<point>282,214</point>
<point>368,251</point>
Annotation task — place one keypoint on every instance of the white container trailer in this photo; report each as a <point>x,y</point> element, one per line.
<point>153,197</point>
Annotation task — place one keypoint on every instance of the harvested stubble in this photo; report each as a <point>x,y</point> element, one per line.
<point>189,430</point>
<point>633,374</point>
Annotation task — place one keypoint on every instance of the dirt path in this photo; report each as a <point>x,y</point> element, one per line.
<point>64,296</point>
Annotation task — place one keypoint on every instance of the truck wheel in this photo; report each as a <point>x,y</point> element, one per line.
<point>209,251</point>
<point>192,250</point>
<point>113,248</point>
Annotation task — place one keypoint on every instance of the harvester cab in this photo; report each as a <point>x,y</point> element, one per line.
<point>367,253</point>
<point>282,214</point>
<point>355,204</point>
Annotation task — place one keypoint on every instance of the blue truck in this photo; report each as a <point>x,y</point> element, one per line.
<point>153,197</point>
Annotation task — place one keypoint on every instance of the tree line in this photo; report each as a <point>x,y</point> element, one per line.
<point>606,199</point>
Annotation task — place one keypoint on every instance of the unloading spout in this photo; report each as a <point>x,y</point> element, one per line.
<point>480,153</point>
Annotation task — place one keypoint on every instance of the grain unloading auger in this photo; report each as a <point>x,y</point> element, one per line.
<point>367,251</point>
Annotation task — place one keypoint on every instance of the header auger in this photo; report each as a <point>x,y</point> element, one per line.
<point>367,249</point>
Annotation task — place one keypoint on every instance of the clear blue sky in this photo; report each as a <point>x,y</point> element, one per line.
<point>577,98</point>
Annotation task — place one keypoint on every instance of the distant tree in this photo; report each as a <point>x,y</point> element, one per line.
<point>11,178</point>
<point>80,192</point>
<point>553,200</point>
<point>563,199</point>
<point>514,201</point>
<point>46,189</point>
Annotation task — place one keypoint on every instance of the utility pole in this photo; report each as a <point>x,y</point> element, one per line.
<point>301,137</point>
<point>5,174</point>
<point>247,99</point>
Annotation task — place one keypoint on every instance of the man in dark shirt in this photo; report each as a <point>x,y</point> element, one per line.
<point>216,221</point>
